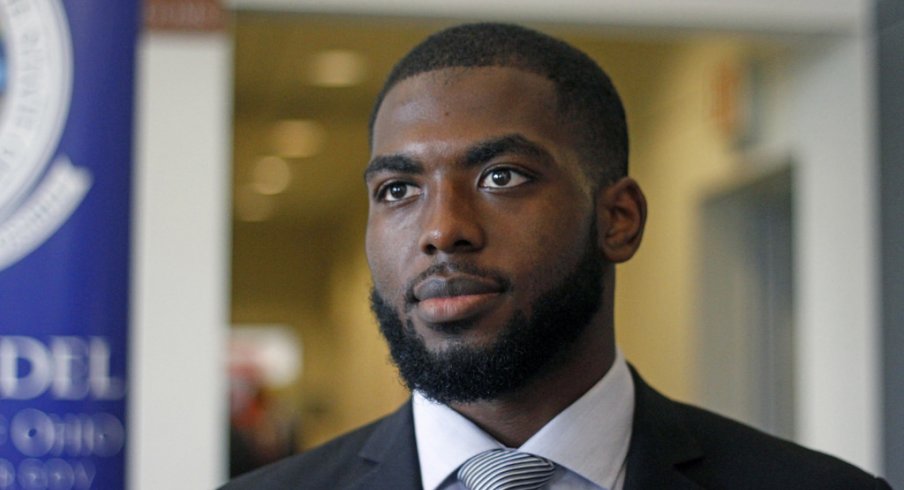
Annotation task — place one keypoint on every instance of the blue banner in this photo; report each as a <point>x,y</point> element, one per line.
<point>66,99</point>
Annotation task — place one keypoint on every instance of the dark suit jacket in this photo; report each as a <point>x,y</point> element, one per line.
<point>673,446</point>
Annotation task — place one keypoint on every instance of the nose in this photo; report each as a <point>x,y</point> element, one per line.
<point>451,223</point>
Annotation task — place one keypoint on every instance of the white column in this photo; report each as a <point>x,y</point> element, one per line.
<point>838,365</point>
<point>181,249</point>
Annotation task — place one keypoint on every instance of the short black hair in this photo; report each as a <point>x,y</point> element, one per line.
<point>587,100</point>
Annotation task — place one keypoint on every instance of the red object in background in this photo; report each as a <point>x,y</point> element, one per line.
<point>259,432</point>
<point>184,15</point>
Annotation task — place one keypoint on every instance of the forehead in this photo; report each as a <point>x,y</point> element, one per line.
<point>458,105</point>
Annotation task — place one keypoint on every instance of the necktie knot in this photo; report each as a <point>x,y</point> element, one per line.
<point>506,469</point>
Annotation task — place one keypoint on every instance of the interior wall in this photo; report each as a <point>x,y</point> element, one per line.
<point>678,152</point>
<point>313,278</point>
<point>890,25</point>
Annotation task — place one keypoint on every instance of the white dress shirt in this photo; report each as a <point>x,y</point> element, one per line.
<point>588,440</point>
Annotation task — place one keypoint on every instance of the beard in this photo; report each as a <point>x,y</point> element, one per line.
<point>527,347</point>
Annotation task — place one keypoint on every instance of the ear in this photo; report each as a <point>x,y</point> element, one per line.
<point>621,216</point>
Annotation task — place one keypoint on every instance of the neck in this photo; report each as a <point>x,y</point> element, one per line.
<point>512,419</point>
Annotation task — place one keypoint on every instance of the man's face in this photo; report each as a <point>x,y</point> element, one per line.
<point>481,220</point>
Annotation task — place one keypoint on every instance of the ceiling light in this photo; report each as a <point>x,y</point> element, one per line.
<point>298,138</point>
<point>270,175</point>
<point>337,68</point>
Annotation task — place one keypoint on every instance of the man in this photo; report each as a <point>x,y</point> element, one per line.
<point>499,206</point>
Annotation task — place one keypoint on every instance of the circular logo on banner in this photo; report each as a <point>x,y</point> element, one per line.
<point>37,191</point>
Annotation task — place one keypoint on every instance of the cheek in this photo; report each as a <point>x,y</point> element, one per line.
<point>376,260</point>
<point>384,250</point>
<point>555,248</point>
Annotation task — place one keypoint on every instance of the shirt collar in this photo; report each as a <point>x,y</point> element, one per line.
<point>445,440</point>
<point>589,438</point>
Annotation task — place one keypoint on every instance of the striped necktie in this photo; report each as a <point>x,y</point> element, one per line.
<point>505,469</point>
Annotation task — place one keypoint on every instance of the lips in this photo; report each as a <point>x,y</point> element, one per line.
<point>448,299</point>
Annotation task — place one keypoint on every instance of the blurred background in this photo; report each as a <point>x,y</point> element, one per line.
<point>761,289</point>
<point>304,89</point>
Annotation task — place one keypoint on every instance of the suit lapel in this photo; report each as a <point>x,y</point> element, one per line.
<point>659,443</point>
<point>391,451</point>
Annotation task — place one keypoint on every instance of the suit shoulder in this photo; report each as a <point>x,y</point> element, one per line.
<point>739,456</point>
<point>325,466</point>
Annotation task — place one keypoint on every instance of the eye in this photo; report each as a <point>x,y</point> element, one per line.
<point>503,178</point>
<point>396,191</point>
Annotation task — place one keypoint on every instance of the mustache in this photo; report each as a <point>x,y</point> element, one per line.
<point>448,268</point>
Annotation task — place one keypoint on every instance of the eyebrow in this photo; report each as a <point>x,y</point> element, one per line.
<point>392,163</point>
<point>510,144</point>
<point>476,155</point>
